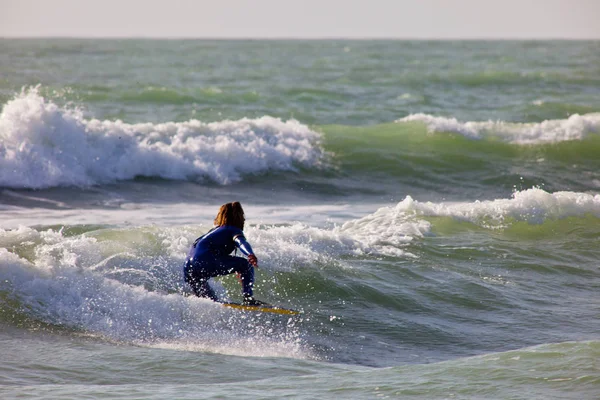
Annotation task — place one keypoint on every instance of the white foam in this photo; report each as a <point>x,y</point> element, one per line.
<point>55,289</point>
<point>534,206</point>
<point>129,214</point>
<point>388,229</point>
<point>43,145</point>
<point>576,127</point>
<point>402,223</point>
<point>284,247</point>
<point>108,282</point>
<point>98,281</point>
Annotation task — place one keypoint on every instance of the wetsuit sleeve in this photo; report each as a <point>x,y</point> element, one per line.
<point>243,245</point>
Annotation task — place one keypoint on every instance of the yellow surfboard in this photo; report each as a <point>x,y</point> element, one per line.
<point>262,308</point>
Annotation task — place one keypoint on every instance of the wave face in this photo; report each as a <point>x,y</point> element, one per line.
<point>126,285</point>
<point>100,282</point>
<point>44,145</point>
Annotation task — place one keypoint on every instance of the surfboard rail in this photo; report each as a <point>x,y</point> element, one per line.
<point>262,308</point>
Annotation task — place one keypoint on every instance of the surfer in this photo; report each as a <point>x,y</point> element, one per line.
<point>210,256</point>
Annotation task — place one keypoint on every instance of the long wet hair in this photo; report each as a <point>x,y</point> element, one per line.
<point>231,214</point>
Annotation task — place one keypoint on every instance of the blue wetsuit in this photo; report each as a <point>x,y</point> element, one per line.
<point>209,257</point>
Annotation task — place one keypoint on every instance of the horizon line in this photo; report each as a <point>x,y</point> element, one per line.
<point>298,38</point>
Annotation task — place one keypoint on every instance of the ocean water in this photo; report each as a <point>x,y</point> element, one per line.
<point>432,208</point>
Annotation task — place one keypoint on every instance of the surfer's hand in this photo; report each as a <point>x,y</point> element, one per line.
<point>253,260</point>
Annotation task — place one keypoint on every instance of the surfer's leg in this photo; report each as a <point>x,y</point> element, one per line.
<point>231,264</point>
<point>203,289</point>
<point>198,273</point>
<point>247,278</point>
<point>199,282</point>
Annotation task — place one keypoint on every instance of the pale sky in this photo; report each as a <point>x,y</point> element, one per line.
<point>407,19</point>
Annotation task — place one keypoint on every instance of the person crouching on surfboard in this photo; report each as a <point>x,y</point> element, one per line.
<point>210,256</point>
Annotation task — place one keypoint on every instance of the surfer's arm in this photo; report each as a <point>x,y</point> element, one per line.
<point>243,245</point>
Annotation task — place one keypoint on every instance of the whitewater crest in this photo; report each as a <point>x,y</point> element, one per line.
<point>45,145</point>
<point>534,206</point>
<point>391,228</point>
<point>576,127</point>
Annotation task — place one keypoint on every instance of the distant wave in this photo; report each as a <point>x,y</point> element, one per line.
<point>576,127</point>
<point>390,228</point>
<point>44,145</point>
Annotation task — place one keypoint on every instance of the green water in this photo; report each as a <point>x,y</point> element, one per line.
<point>432,208</point>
